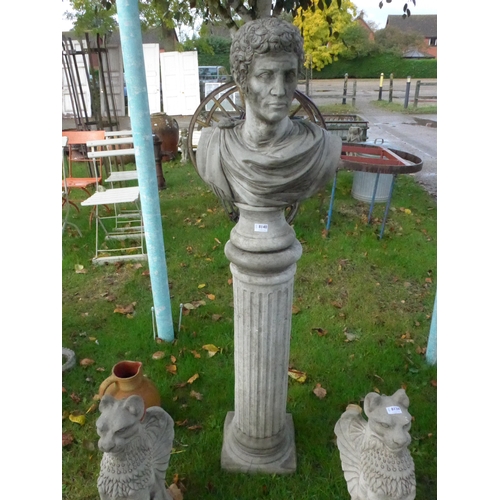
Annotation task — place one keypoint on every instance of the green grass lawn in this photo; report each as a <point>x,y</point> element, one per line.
<point>397,107</point>
<point>362,312</point>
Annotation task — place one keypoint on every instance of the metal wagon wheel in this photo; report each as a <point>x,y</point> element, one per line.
<point>227,103</point>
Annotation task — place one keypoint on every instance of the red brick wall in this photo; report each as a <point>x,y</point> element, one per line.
<point>432,50</point>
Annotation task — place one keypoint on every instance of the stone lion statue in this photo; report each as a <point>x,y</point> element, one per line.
<point>137,446</point>
<point>375,458</point>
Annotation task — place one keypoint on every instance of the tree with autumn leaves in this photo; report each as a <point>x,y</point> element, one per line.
<point>322,28</point>
<point>324,24</point>
<point>170,13</point>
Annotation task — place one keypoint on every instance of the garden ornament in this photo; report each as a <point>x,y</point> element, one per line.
<point>264,164</point>
<point>267,159</point>
<point>375,458</point>
<point>355,134</point>
<point>136,444</point>
<point>70,359</point>
<point>183,144</point>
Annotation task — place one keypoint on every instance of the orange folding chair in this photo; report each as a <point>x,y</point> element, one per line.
<point>77,152</point>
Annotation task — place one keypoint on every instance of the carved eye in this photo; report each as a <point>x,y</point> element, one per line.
<point>265,75</point>
<point>384,425</point>
<point>122,431</point>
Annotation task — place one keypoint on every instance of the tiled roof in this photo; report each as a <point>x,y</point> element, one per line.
<point>415,54</point>
<point>426,25</point>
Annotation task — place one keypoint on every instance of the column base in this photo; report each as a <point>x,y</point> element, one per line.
<point>235,459</point>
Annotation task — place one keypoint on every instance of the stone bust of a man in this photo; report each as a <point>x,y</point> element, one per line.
<point>267,159</point>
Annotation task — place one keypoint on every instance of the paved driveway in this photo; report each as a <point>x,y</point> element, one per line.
<point>416,134</point>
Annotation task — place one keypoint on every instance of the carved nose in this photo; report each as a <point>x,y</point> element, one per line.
<point>401,440</point>
<point>105,446</point>
<point>279,87</point>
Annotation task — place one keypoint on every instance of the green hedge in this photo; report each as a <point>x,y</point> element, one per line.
<point>372,66</point>
<point>213,60</point>
<point>366,67</point>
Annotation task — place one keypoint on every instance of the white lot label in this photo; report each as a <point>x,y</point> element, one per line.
<point>393,409</point>
<point>261,228</point>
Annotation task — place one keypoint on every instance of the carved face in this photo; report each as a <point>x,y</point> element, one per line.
<point>272,80</point>
<point>391,429</point>
<point>389,419</point>
<point>118,423</point>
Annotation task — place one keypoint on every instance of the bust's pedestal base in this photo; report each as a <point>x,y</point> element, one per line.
<point>263,251</point>
<point>255,456</point>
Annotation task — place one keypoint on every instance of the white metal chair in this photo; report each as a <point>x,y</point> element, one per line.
<point>109,134</point>
<point>125,224</point>
<point>107,148</point>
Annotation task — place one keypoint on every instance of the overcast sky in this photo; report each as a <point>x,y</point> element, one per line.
<point>370,7</point>
<point>379,15</point>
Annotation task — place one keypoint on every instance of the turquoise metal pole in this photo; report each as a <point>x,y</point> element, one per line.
<point>431,352</point>
<point>140,120</point>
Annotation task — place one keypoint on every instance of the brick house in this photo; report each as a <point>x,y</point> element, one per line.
<point>365,26</point>
<point>425,25</point>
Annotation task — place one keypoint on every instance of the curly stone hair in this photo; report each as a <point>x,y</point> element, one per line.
<point>261,36</point>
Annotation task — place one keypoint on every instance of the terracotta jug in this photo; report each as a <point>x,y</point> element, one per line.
<point>127,379</point>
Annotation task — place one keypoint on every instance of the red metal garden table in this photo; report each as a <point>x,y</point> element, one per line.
<point>377,160</point>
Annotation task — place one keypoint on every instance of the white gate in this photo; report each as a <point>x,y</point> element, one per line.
<point>70,72</point>
<point>114,81</point>
<point>152,67</point>
<point>180,82</point>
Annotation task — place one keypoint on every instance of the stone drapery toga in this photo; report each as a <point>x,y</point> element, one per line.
<point>279,174</point>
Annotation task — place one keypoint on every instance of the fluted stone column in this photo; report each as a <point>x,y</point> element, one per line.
<point>263,251</point>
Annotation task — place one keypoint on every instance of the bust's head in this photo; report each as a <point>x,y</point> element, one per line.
<point>263,36</point>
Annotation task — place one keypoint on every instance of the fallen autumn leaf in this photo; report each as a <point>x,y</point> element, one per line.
<point>297,375</point>
<point>320,331</point>
<point>196,395</point>
<point>349,337</point>
<point>92,408</point>
<point>75,397</point>
<point>79,269</point>
<point>319,391</point>
<point>125,310</point>
<point>77,418</point>
<point>67,438</point>
<point>171,369</point>
<point>212,349</point>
